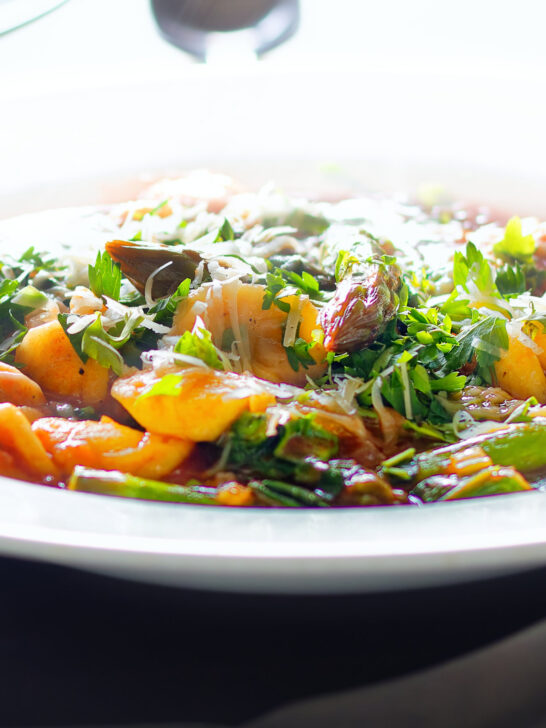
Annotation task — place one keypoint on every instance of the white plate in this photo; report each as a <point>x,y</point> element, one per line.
<point>258,549</point>
<point>480,137</point>
<point>303,551</point>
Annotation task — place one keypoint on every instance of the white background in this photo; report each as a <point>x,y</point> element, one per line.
<point>406,92</point>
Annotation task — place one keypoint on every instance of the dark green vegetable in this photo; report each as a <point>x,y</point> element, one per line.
<point>302,438</point>
<point>293,458</point>
<point>112,482</point>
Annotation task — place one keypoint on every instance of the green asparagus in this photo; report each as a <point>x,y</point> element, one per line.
<point>113,482</point>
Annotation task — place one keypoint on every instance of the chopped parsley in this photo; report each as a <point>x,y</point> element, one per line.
<point>515,245</point>
<point>105,276</point>
<point>198,344</point>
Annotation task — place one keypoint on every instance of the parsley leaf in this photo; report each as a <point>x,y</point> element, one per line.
<point>344,263</point>
<point>158,207</point>
<point>165,309</point>
<point>281,283</point>
<point>486,340</point>
<point>198,344</point>
<point>75,339</point>
<point>472,267</point>
<point>225,232</point>
<point>299,354</point>
<point>105,276</point>
<point>169,385</point>
<point>98,345</point>
<point>95,342</point>
<point>511,280</point>
<point>515,245</point>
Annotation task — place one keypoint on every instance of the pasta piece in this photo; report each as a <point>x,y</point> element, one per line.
<point>49,358</point>
<point>17,388</point>
<point>196,404</point>
<point>520,373</point>
<point>21,443</point>
<point>236,311</point>
<point>110,446</point>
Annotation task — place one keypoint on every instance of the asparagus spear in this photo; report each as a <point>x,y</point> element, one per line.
<point>360,309</point>
<point>112,482</point>
<point>493,480</point>
<point>521,445</point>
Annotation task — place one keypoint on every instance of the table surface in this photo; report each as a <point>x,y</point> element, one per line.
<point>83,649</point>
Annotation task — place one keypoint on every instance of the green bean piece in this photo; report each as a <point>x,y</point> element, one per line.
<point>521,445</point>
<point>113,482</point>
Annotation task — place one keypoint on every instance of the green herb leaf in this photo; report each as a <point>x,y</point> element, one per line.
<point>344,263</point>
<point>105,276</point>
<point>159,207</point>
<point>164,310</point>
<point>169,385</point>
<point>97,344</point>
<point>302,438</point>
<point>485,340</point>
<point>511,280</point>
<point>199,344</point>
<point>299,354</point>
<point>515,245</point>
<point>473,267</point>
<point>225,232</point>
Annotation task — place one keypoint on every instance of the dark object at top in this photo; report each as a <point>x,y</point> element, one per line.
<point>187,24</point>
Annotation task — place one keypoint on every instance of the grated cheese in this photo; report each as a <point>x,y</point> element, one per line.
<point>292,321</point>
<point>150,282</point>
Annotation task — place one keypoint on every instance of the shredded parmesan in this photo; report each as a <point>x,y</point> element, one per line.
<point>240,333</point>
<point>150,282</point>
<point>347,389</point>
<point>292,321</point>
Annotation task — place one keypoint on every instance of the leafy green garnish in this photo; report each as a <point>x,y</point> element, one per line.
<point>515,245</point>
<point>159,207</point>
<point>281,283</point>
<point>225,232</point>
<point>473,267</point>
<point>95,342</point>
<point>105,276</point>
<point>511,280</point>
<point>299,453</point>
<point>164,310</point>
<point>299,354</point>
<point>344,263</point>
<point>75,339</point>
<point>302,438</point>
<point>485,340</point>
<point>169,385</point>
<point>198,344</point>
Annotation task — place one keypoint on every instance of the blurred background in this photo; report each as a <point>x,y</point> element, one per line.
<point>388,96</point>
